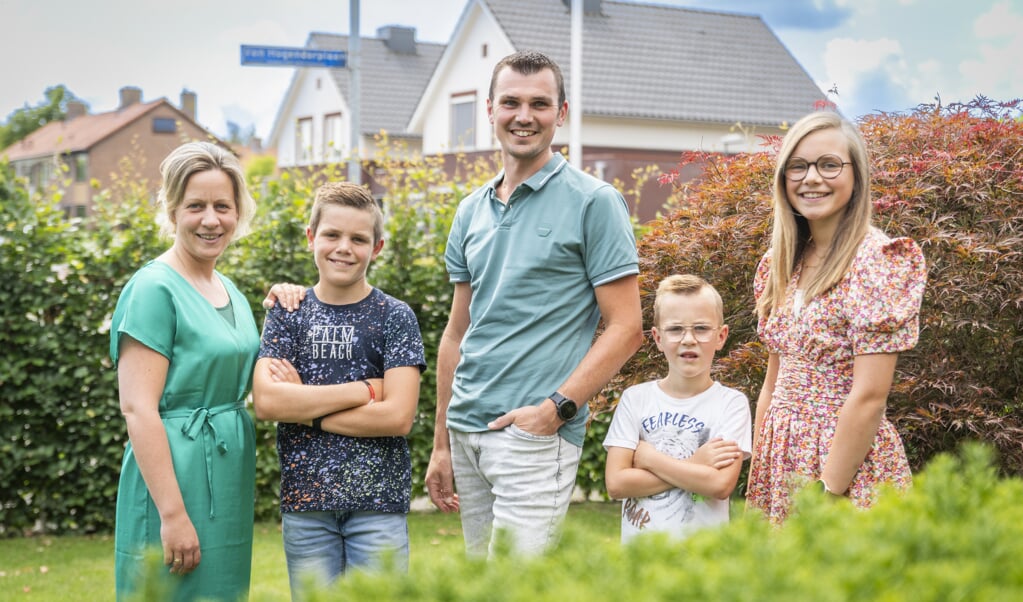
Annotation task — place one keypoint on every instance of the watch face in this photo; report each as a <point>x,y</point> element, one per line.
<point>567,409</point>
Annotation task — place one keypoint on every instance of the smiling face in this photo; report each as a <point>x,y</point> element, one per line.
<point>525,113</point>
<point>822,201</point>
<point>681,316</point>
<point>207,216</point>
<point>343,247</point>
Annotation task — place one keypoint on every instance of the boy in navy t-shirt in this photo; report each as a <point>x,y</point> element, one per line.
<point>341,377</point>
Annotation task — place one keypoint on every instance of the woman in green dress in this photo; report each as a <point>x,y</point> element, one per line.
<point>184,342</point>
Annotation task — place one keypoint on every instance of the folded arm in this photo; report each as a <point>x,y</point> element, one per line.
<point>712,471</point>
<point>291,401</point>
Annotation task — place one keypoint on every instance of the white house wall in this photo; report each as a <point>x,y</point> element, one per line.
<point>466,70</point>
<point>665,135</point>
<point>315,96</point>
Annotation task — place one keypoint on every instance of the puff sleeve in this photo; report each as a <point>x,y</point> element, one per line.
<point>886,295</point>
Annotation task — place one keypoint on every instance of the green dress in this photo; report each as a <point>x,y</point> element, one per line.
<point>211,435</point>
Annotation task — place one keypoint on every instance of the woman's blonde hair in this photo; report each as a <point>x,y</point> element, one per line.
<point>189,159</point>
<point>790,230</point>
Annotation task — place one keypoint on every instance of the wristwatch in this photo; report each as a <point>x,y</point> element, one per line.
<point>565,406</point>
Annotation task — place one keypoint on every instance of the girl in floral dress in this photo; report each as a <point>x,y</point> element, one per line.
<point>837,301</point>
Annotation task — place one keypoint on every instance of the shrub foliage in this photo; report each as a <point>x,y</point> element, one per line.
<point>951,178</point>
<point>956,535</point>
<point>61,431</point>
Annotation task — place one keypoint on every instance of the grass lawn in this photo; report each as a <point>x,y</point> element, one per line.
<point>82,568</point>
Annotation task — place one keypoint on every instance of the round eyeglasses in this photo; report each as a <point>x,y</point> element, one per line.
<point>828,166</point>
<point>703,333</point>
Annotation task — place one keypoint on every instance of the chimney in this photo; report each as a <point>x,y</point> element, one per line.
<point>400,40</point>
<point>75,108</point>
<point>590,7</point>
<point>129,96</point>
<point>188,103</point>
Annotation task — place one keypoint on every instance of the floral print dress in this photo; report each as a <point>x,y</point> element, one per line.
<point>873,309</point>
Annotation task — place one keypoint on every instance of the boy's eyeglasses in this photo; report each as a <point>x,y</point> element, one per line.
<point>703,333</point>
<point>828,166</point>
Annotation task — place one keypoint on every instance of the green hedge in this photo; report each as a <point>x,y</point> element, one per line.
<point>951,177</point>
<point>61,431</point>
<point>956,535</point>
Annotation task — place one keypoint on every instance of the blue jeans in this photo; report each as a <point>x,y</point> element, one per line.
<point>327,544</point>
<point>514,482</point>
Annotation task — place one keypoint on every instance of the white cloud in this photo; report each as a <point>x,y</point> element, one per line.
<point>1000,21</point>
<point>997,70</point>
<point>848,63</point>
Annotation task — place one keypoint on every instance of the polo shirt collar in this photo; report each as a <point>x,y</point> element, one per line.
<point>555,164</point>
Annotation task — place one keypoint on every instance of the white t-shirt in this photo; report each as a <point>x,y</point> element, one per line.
<point>677,427</point>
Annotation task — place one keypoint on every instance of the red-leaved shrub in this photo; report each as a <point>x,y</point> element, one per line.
<point>951,178</point>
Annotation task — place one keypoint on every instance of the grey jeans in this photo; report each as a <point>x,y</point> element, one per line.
<point>515,483</point>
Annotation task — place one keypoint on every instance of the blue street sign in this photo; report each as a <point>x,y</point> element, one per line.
<point>279,56</point>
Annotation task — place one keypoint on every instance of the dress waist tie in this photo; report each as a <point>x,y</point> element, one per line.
<point>197,422</point>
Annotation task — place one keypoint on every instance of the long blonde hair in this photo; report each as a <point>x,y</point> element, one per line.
<point>791,231</point>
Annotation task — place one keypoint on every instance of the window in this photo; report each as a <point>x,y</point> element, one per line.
<point>332,137</point>
<point>81,167</point>
<point>463,121</point>
<point>304,141</point>
<point>164,125</point>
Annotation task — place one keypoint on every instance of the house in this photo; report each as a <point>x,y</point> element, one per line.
<point>657,80</point>
<point>313,123</point>
<point>87,153</point>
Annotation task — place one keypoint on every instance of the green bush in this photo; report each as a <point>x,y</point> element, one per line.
<point>949,177</point>
<point>61,432</point>
<point>957,534</point>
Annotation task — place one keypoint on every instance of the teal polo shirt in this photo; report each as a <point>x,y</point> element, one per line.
<point>533,265</point>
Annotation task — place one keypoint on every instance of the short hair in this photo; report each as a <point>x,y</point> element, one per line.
<point>528,62</point>
<point>189,159</point>
<point>686,284</point>
<point>347,194</point>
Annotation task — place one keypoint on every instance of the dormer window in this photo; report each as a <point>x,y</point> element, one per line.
<point>164,125</point>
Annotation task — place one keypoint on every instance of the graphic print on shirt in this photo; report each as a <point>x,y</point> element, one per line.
<point>332,341</point>
<point>678,435</point>
<point>332,344</point>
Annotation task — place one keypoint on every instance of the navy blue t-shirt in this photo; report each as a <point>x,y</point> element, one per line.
<point>334,344</point>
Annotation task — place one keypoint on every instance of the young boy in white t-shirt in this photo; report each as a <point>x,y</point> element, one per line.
<point>676,445</point>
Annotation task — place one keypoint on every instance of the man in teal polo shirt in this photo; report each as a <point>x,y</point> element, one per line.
<point>538,257</point>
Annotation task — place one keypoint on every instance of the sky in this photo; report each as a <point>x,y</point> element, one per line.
<point>878,55</point>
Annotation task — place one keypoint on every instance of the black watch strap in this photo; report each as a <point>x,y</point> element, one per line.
<point>566,407</point>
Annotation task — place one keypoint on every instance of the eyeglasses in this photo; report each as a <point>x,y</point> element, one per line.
<point>828,166</point>
<point>703,333</point>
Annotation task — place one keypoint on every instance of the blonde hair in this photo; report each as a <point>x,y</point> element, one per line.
<point>790,232</point>
<point>686,284</point>
<point>194,157</point>
<point>347,194</point>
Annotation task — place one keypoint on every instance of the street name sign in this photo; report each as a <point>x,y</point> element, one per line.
<point>281,56</point>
